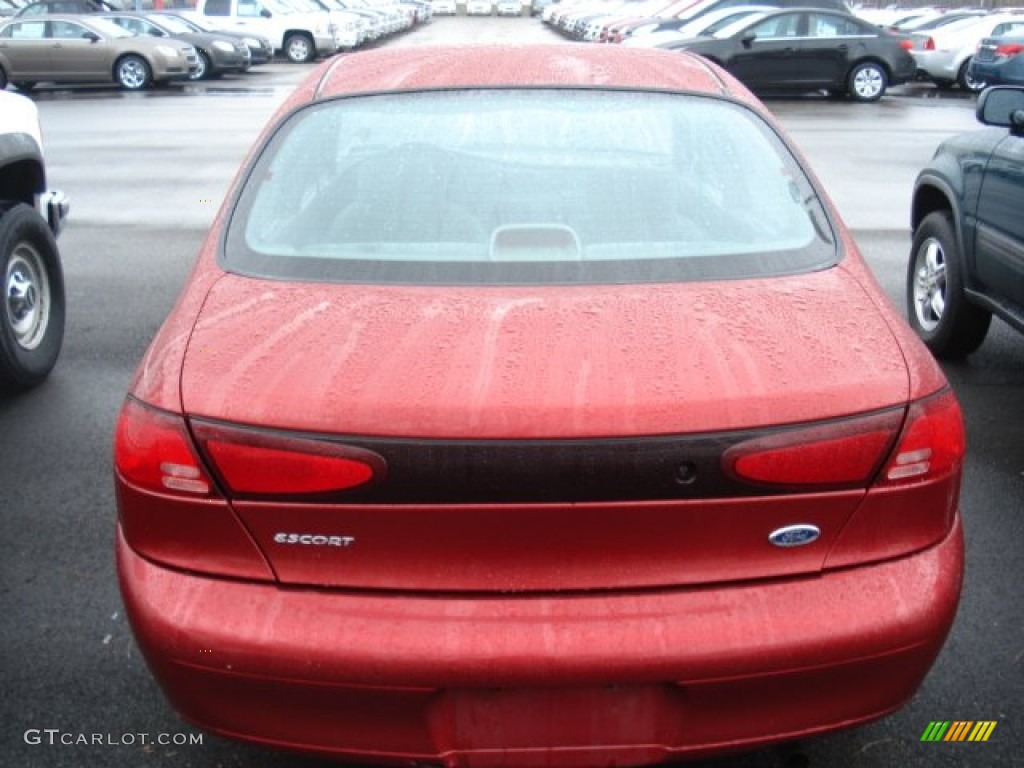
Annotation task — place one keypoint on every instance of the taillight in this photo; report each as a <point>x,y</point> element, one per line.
<point>1009,49</point>
<point>929,44</point>
<point>258,463</point>
<point>907,45</point>
<point>932,444</point>
<point>840,454</point>
<point>169,509</point>
<point>914,502</point>
<point>152,451</point>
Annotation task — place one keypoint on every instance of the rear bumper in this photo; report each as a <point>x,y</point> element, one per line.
<point>1009,71</point>
<point>570,680</point>
<point>936,65</point>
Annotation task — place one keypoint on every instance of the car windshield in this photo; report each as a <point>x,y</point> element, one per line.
<point>173,25</point>
<point>526,186</point>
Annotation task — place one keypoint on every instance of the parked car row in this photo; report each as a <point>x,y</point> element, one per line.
<point>965,47</point>
<point>792,44</point>
<point>945,54</point>
<point>493,8</point>
<point>86,41</point>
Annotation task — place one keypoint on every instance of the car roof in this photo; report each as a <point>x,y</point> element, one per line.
<point>497,66</point>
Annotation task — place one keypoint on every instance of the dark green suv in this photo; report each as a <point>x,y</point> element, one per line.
<point>967,259</point>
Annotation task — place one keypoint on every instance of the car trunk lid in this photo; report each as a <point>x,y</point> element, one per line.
<point>537,439</point>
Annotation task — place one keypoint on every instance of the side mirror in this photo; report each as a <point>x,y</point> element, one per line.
<point>1002,105</point>
<point>748,39</point>
<point>266,14</point>
<point>92,37</point>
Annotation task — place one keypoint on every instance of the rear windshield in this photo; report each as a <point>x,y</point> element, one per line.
<point>534,186</point>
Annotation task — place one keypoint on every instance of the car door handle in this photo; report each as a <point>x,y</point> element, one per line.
<point>842,48</point>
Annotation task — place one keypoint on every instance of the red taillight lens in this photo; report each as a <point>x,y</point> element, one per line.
<point>929,44</point>
<point>252,462</point>
<point>914,503</point>
<point>1009,49</point>
<point>168,507</point>
<point>932,444</point>
<point>152,451</point>
<point>839,454</point>
<point>907,45</point>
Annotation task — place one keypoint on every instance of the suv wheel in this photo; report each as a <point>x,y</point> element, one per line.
<point>32,315</point>
<point>299,48</point>
<point>937,306</point>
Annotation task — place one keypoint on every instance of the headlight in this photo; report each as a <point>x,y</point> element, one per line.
<point>221,45</point>
<point>166,50</point>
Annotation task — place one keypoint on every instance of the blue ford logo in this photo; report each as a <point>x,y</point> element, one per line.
<point>794,535</point>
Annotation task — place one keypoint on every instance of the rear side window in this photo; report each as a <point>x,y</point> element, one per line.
<point>536,186</point>
<point>217,8</point>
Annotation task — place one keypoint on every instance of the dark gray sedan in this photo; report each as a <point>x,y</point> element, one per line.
<point>261,50</point>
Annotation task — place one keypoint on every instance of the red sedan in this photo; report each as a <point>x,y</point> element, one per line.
<point>532,406</point>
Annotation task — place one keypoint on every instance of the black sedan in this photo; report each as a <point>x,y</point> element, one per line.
<point>218,53</point>
<point>810,49</point>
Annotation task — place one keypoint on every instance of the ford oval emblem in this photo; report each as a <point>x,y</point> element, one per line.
<point>794,535</point>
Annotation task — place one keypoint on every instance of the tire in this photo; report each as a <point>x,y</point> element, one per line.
<point>203,70</point>
<point>32,315</point>
<point>967,81</point>
<point>3,79</point>
<point>867,82</point>
<point>133,73</point>
<point>299,48</point>
<point>937,306</point>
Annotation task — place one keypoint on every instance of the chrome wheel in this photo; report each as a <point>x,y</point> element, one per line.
<point>867,82</point>
<point>202,68</point>
<point>938,306</point>
<point>299,49</point>
<point>27,296</point>
<point>929,289</point>
<point>968,81</point>
<point>132,73</point>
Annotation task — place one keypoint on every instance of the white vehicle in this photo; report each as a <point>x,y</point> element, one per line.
<point>944,54</point>
<point>300,35</point>
<point>508,7</point>
<point>479,8</point>
<point>350,29</point>
<point>32,312</point>
<point>444,7</point>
